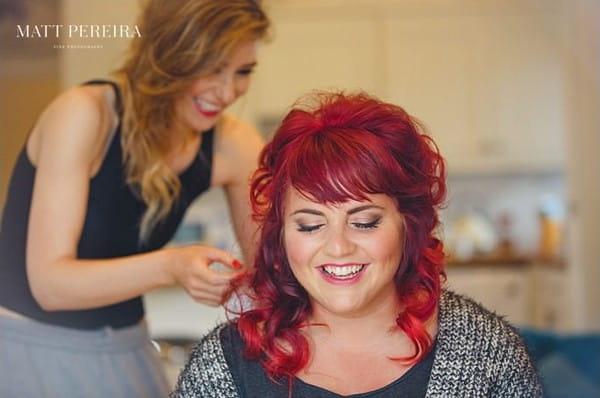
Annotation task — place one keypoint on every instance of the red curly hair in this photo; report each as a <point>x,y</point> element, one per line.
<point>344,147</point>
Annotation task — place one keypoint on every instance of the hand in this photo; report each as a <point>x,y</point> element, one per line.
<point>190,268</point>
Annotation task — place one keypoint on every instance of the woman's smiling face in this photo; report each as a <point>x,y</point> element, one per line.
<point>205,100</point>
<point>345,256</point>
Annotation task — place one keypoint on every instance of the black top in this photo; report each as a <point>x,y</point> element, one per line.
<point>252,380</point>
<point>111,229</point>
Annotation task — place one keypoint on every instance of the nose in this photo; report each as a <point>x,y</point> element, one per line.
<point>338,243</point>
<point>227,90</point>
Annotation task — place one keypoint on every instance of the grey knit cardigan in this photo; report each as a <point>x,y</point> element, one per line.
<point>478,354</point>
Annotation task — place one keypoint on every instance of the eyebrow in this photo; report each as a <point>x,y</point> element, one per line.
<point>349,212</point>
<point>363,207</point>
<point>250,65</point>
<point>308,211</point>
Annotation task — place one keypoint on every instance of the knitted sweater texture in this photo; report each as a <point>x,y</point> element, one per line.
<point>478,354</point>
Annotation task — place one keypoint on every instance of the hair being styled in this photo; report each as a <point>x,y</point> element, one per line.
<point>181,40</point>
<point>342,148</point>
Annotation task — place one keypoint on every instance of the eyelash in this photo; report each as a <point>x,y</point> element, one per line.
<point>311,228</point>
<point>308,228</point>
<point>370,225</point>
<point>245,72</point>
<point>241,72</point>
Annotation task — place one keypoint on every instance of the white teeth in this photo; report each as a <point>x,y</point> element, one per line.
<point>207,106</point>
<point>343,272</point>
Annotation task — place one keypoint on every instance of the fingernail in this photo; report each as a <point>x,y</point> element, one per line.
<point>236,264</point>
<point>240,276</point>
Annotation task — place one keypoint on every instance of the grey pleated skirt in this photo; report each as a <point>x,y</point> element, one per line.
<point>44,361</point>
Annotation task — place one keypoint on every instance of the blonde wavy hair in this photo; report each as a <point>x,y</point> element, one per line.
<point>181,41</point>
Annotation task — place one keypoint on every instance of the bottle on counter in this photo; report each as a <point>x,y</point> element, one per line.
<point>551,230</point>
<point>506,248</point>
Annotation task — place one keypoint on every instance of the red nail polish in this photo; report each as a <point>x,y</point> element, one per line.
<point>236,264</point>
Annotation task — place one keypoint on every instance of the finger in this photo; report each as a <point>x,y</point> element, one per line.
<point>214,254</point>
<point>220,278</point>
<point>213,300</point>
<point>204,289</point>
<point>239,279</point>
<point>212,296</point>
<point>205,295</point>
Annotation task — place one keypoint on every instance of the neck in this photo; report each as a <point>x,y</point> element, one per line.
<point>180,137</point>
<point>357,331</point>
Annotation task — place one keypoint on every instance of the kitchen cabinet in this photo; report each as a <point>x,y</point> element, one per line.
<point>551,299</point>
<point>503,289</point>
<point>487,85</point>
<point>531,295</point>
<point>485,78</point>
<point>429,75</point>
<point>314,47</point>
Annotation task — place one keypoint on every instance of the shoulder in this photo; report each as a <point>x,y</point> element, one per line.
<point>79,117</point>
<point>237,138</point>
<point>237,147</point>
<point>81,103</point>
<point>462,316</point>
<point>206,373</point>
<point>482,349</point>
<point>234,128</point>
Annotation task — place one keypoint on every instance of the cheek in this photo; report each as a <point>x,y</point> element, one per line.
<point>299,250</point>
<point>295,250</point>
<point>199,86</point>
<point>387,248</point>
<point>242,86</point>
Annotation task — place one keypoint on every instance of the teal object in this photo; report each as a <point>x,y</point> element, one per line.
<point>569,364</point>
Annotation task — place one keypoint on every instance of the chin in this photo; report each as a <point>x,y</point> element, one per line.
<point>205,124</point>
<point>343,307</point>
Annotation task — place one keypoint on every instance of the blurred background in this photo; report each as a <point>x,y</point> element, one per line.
<point>509,89</point>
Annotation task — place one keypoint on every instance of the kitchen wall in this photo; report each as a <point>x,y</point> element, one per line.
<point>511,203</point>
<point>81,64</point>
<point>29,80</point>
<point>581,56</point>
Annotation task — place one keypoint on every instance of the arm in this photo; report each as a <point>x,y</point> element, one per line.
<point>237,150</point>
<point>518,376</point>
<point>65,146</point>
<point>206,373</point>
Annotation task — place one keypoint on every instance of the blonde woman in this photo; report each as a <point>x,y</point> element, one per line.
<point>102,184</point>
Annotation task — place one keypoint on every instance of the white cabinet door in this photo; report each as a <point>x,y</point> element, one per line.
<point>505,290</point>
<point>484,79</point>
<point>428,68</point>
<point>315,47</point>
<point>551,299</point>
<point>517,80</point>
<point>487,85</point>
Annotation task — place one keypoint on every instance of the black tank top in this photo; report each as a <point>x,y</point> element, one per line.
<point>111,229</point>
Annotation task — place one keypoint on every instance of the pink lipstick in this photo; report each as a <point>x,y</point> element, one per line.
<point>342,274</point>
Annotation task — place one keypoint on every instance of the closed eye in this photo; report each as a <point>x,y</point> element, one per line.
<point>370,225</point>
<point>308,228</point>
<point>245,72</point>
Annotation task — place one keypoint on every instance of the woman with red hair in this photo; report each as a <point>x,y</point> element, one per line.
<point>347,281</point>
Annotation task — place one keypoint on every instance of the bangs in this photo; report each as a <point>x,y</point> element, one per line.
<point>333,166</point>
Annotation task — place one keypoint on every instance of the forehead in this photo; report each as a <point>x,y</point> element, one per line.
<point>244,54</point>
<point>295,199</point>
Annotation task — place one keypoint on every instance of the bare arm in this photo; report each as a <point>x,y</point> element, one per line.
<point>69,139</point>
<point>238,148</point>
